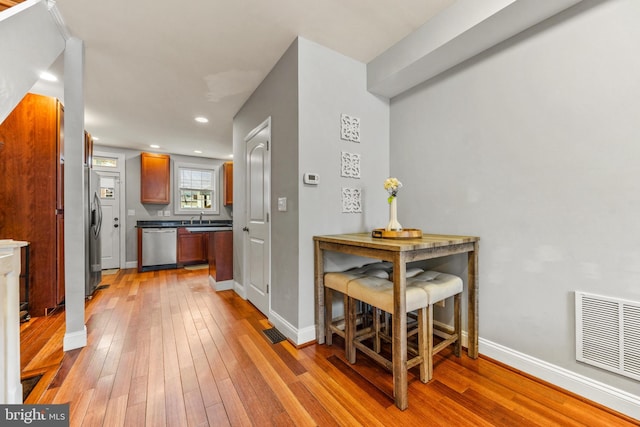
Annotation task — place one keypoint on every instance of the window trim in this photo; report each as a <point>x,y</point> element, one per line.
<point>215,204</point>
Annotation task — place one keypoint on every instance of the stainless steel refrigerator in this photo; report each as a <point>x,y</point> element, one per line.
<point>93,224</point>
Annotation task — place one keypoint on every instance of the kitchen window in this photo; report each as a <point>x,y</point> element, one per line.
<point>196,189</point>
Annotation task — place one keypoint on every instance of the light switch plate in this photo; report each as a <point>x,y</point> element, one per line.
<point>167,213</point>
<point>159,213</point>
<point>282,204</point>
<point>131,212</point>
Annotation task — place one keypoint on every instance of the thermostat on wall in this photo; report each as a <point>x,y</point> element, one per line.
<point>311,178</point>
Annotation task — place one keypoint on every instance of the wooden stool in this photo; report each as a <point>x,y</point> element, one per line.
<point>338,282</point>
<point>423,291</point>
<point>379,293</point>
<point>439,287</point>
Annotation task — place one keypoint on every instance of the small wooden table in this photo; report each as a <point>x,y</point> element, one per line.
<point>400,252</point>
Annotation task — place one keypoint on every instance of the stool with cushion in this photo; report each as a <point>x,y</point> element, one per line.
<point>379,293</point>
<point>439,287</point>
<point>337,282</point>
<point>424,290</point>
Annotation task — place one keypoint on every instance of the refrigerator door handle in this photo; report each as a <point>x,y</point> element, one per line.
<point>98,225</point>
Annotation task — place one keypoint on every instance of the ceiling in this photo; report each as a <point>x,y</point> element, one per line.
<point>151,67</point>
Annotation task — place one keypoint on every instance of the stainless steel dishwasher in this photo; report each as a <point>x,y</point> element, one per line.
<point>159,248</point>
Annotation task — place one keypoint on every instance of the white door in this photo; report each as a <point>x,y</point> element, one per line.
<point>258,269</point>
<point>110,232</point>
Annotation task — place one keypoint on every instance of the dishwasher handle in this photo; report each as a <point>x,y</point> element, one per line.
<point>159,230</point>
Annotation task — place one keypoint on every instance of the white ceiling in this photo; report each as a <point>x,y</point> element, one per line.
<point>152,66</point>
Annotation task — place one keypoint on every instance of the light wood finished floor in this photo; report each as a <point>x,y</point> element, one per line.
<point>164,349</point>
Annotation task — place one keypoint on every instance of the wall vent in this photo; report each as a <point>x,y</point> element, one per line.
<point>608,333</point>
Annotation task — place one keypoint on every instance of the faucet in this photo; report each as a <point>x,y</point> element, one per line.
<point>201,213</point>
<point>191,220</point>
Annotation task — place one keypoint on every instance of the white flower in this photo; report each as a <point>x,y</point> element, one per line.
<point>392,185</point>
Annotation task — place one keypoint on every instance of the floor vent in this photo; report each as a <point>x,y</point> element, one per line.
<point>274,335</point>
<point>608,333</point>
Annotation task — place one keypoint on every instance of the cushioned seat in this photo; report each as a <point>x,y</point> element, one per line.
<point>338,281</point>
<point>423,290</point>
<point>439,287</point>
<point>379,293</point>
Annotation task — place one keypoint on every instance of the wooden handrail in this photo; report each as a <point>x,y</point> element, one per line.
<point>5,4</point>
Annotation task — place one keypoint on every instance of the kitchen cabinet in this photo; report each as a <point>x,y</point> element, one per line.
<point>221,255</point>
<point>155,178</point>
<point>192,247</point>
<point>227,170</point>
<point>88,149</point>
<point>32,194</point>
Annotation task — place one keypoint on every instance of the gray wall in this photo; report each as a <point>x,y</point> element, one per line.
<point>148,211</point>
<point>533,146</point>
<point>332,84</point>
<point>275,97</point>
<point>305,94</point>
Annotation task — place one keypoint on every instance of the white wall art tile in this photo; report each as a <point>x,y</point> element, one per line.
<point>351,200</point>
<point>350,165</point>
<point>350,128</point>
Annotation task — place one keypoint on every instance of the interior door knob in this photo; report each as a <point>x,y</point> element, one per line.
<point>245,229</point>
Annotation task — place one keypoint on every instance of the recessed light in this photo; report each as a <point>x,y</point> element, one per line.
<point>202,120</point>
<point>154,146</point>
<point>95,138</point>
<point>48,77</point>
<point>231,156</point>
<point>197,151</point>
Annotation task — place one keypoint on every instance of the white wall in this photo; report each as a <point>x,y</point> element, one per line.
<point>30,41</point>
<point>304,95</point>
<point>275,97</point>
<point>332,84</point>
<point>534,147</point>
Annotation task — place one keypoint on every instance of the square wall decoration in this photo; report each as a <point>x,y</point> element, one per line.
<point>350,165</point>
<point>351,200</point>
<point>350,128</point>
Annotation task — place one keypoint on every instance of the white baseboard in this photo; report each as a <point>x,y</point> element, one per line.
<point>618,400</point>
<point>131,264</point>
<point>283,326</point>
<point>73,340</point>
<point>297,336</point>
<point>240,290</point>
<point>306,335</point>
<point>223,285</point>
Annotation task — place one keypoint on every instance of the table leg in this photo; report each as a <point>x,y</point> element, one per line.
<point>472,309</point>
<point>318,254</point>
<point>399,357</point>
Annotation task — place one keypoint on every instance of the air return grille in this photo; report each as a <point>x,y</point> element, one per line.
<point>608,333</point>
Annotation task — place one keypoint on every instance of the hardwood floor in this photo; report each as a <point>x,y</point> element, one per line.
<point>165,349</point>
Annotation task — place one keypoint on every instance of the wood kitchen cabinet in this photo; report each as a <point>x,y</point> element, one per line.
<point>192,247</point>
<point>88,149</point>
<point>221,255</point>
<point>32,194</point>
<point>155,177</point>
<point>227,170</point>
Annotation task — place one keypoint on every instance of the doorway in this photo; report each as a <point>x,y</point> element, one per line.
<point>258,195</point>
<point>109,190</point>
<point>110,168</point>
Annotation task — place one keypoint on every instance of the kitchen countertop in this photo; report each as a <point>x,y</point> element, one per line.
<point>219,225</point>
